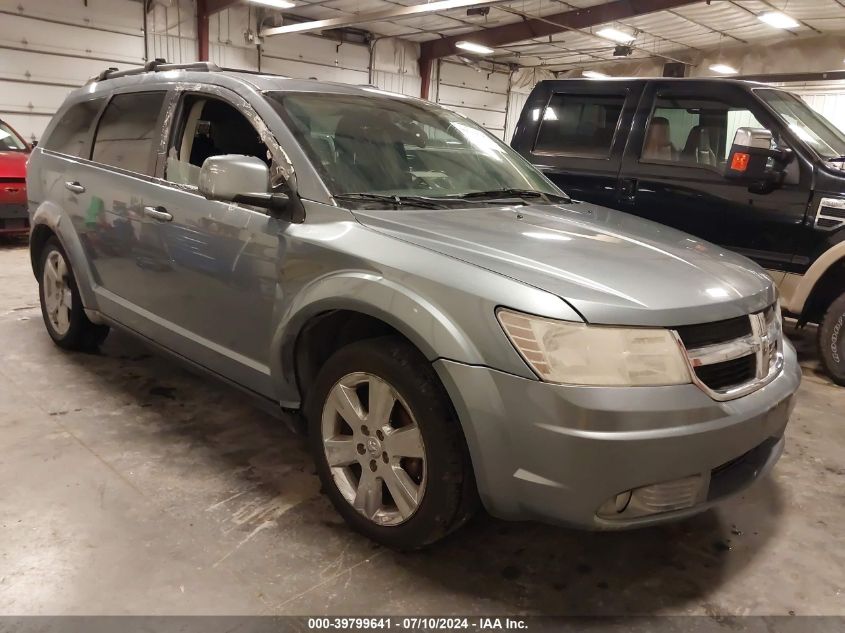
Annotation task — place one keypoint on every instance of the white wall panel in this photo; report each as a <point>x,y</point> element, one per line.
<point>826,97</point>
<point>305,56</point>
<point>478,94</point>
<point>48,48</point>
<point>395,82</point>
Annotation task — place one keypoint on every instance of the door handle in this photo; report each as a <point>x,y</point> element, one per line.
<point>158,213</point>
<point>628,189</point>
<point>75,187</point>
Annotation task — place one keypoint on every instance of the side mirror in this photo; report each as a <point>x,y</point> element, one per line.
<point>757,160</point>
<point>34,144</point>
<point>241,179</point>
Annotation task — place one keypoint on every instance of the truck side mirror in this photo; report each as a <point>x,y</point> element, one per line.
<point>755,159</point>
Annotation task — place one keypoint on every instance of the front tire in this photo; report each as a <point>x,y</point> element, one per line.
<point>832,340</point>
<point>61,305</point>
<point>389,450</point>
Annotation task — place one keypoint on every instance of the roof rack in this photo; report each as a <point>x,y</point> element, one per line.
<point>154,66</point>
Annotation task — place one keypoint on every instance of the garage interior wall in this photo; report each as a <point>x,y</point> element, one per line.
<point>46,50</point>
<point>49,48</point>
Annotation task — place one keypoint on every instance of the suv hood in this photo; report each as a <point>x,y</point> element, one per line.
<point>613,268</point>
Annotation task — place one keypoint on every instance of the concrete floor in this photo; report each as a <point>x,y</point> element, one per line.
<point>128,485</point>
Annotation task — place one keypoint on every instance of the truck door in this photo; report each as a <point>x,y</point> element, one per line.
<point>673,167</point>
<point>580,132</point>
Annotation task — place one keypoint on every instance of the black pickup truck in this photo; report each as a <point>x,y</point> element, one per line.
<point>741,164</point>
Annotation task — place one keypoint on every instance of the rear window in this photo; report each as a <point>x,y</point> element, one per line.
<point>70,135</point>
<point>578,124</point>
<point>127,131</point>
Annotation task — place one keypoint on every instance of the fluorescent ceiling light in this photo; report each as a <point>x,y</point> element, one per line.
<point>399,11</point>
<point>609,33</point>
<point>472,47</point>
<point>723,69</point>
<point>594,74</point>
<point>276,4</point>
<point>778,20</point>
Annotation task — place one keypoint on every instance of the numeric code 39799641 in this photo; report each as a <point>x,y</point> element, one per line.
<point>385,623</point>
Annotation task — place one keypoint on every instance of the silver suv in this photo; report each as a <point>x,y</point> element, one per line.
<point>452,326</point>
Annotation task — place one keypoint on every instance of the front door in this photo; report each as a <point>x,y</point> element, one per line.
<point>673,169</point>
<point>214,275</point>
<point>581,136</point>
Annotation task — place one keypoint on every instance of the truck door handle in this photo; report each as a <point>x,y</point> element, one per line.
<point>74,186</point>
<point>628,188</point>
<point>158,213</point>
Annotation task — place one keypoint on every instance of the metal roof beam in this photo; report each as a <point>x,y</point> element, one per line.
<point>527,29</point>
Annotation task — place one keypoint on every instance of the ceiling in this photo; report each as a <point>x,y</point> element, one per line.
<point>670,35</point>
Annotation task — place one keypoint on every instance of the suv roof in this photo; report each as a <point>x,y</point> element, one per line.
<point>159,73</point>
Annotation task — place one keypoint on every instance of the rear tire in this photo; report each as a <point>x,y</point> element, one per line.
<point>832,340</point>
<point>427,463</point>
<point>61,306</point>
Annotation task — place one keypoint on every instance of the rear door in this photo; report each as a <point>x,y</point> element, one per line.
<point>580,130</point>
<point>674,163</point>
<point>111,190</point>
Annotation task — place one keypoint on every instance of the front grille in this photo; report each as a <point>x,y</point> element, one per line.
<point>703,334</point>
<point>13,180</point>
<point>734,357</point>
<point>729,373</point>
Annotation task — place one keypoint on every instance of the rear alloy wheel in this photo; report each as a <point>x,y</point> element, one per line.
<point>58,299</point>
<point>389,450</point>
<point>375,452</point>
<point>61,306</point>
<point>832,340</point>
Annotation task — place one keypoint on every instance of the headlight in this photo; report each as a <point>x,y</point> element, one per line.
<point>579,354</point>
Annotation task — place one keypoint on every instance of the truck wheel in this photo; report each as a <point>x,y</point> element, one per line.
<point>832,340</point>
<point>61,306</point>
<point>389,450</point>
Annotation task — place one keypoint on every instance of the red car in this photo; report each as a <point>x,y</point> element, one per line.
<point>14,152</point>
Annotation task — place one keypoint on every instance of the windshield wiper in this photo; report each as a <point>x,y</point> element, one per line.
<point>500,194</point>
<point>396,201</point>
<point>836,159</point>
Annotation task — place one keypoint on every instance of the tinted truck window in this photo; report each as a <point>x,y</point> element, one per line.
<point>692,130</point>
<point>70,136</point>
<point>127,131</point>
<point>582,125</point>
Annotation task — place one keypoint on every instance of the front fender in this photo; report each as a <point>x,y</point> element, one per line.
<point>421,321</point>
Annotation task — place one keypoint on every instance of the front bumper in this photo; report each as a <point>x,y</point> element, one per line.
<point>563,454</point>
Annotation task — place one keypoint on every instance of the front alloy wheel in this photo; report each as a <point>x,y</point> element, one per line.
<point>389,450</point>
<point>374,448</point>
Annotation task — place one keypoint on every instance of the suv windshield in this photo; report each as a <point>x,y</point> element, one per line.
<point>806,123</point>
<point>372,149</point>
<point>9,140</point>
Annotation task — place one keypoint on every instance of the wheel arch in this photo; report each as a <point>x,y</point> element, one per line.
<point>47,221</point>
<point>352,306</point>
<point>820,285</point>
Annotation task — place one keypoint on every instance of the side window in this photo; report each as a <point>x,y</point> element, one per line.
<point>127,131</point>
<point>577,124</point>
<point>209,127</point>
<point>693,131</point>
<point>70,135</point>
